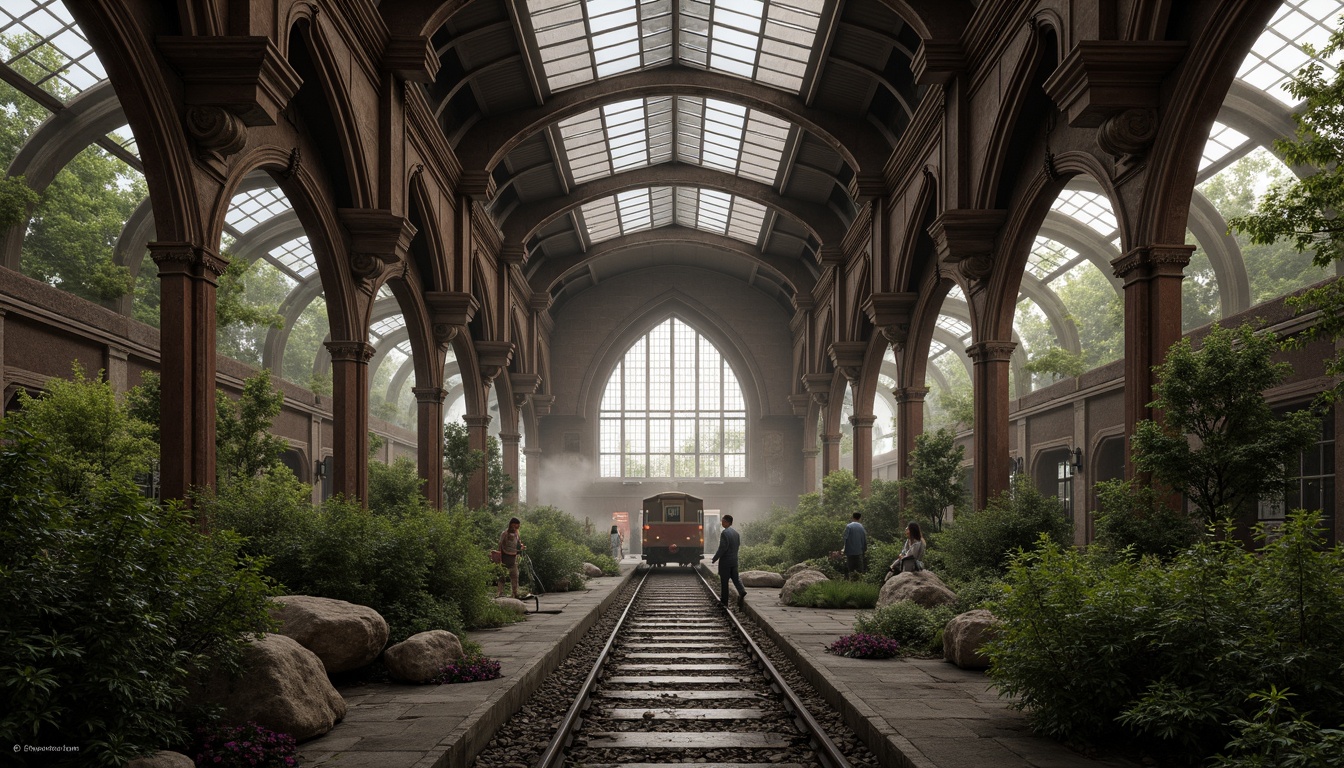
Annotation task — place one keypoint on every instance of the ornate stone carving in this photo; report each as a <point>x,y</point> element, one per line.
<point>848,357</point>
<point>1129,133</point>
<point>192,259</point>
<point>350,351</point>
<point>444,333</point>
<point>493,357</point>
<point>217,131</point>
<point>991,351</point>
<point>429,394</point>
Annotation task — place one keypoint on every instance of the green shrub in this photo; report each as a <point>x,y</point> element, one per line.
<point>974,592</point>
<point>810,535</point>
<point>918,629</point>
<point>982,542</point>
<point>274,514</point>
<point>552,540</point>
<point>880,558</point>
<point>837,594</point>
<point>394,489</point>
<point>107,604</point>
<point>760,557</point>
<point>1279,735</point>
<point>608,565</point>
<point>1171,654</point>
<point>1134,517</point>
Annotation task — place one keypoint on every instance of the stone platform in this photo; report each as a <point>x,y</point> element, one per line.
<point>391,725</point>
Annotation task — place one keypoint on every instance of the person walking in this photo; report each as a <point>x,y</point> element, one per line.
<point>726,557</point>
<point>912,554</point>
<point>855,547</point>
<point>617,552</point>
<point>510,546</point>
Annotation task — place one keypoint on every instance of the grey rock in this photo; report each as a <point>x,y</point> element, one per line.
<point>421,656</point>
<point>344,636</point>
<point>920,587</point>
<point>964,638</point>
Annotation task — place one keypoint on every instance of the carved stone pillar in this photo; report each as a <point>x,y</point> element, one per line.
<point>478,487</point>
<point>990,381</point>
<point>810,470</point>
<point>508,442</point>
<point>187,280</point>
<point>1152,276</point>
<point>830,453</point>
<point>863,451</point>
<point>909,425</point>
<point>350,417</point>
<point>429,441</point>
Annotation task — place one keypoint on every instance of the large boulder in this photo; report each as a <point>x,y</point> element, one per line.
<point>511,604</point>
<point>421,656</point>
<point>965,636</point>
<point>283,686</point>
<point>798,582</point>
<point>344,636</point>
<point>762,579</point>
<point>162,759</point>
<point>793,569</point>
<point>591,571</point>
<point>920,587</point>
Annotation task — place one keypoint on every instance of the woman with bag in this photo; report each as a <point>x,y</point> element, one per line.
<point>912,554</point>
<point>510,546</point>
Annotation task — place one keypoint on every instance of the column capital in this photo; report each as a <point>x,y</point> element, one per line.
<point>541,405</point>
<point>247,75</point>
<point>350,351</point>
<point>848,357</point>
<point>831,439</point>
<point>991,351</point>
<point>188,259</point>
<point>800,404</point>
<point>910,394</point>
<point>479,422</point>
<point>862,422</point>
<point>811,453</point>
<point>818,385</point>
<point>1153,261</point>
<point>509,438</point>
<point>429,394</point>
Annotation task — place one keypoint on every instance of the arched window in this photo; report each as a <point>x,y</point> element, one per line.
<point>673,408</point>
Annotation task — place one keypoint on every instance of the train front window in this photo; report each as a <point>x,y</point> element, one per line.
<point>672,514</point>
<point>673,408</point>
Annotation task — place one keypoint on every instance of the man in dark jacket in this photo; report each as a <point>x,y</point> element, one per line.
<point>729,543</point>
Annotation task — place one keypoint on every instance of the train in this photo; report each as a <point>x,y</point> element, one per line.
<point>672,529</point>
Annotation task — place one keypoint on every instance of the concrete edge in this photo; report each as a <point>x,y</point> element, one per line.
<point>474,733</point>
<point>890,747</point>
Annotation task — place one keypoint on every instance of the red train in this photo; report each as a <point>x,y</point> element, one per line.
<point>672,529</point>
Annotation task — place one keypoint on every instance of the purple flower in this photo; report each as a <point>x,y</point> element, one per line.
<point>865,646</point>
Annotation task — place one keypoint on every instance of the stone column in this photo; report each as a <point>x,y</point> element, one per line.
<point>350,417</point>
<point>429,441</point>
<point>909,425</point>
<point>1152,276</point>
<point>508,443</point>
<point>990,360</point>
<point>810,470</point>
<point>863,451</point>
<point>188,276</point>
<point>478,487</point>
<point>830,453</point>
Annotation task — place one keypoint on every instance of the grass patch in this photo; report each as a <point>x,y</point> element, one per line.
<point>838,594</point>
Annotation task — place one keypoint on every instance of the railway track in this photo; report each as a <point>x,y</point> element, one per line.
<point>681,681</point>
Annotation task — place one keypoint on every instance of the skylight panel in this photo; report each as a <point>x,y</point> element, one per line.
<point>385,292</point>
<point>1047,256</point>
<point>618,137</point>
<point>124,137</point>
<point>387,325</point>
<point>937,348</point>
<point>296,256</point>
<point>956,293</point>
<point>650,208</point>
<point>48,48</point>
<point>626,212</point>
<point>1222,142</point>
<point>1277,55</point>
<point>768,41</point>
<point>248,209</point>
<point>589,39</point>
<point>405,347</point>
<point>730,137</point>
<point>1090,208</point>
<point>959,328</point>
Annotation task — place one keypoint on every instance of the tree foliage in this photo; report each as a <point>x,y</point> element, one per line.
<point>935,477</point>
<point>244,445</point>
<point>1215,395</point>
<point>460,462</point>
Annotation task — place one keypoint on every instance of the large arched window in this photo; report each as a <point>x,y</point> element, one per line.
<point>673,408</point>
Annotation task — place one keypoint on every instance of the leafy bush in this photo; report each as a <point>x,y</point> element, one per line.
<point>1134,517</point>
<point>1171,654</point>
<point>837,594</point>
<point>245,746</point>
<point>918,629</point>
<point>863,646</point>
<point>1279,735</point>
<point>553,544</point>
<point>974,592</point>
<point>394,489</point>
<point>609,566</point>
<point>810,535</point>
<point>760,557</point>
<point>107,604</point>
<point>880,558</point>
<point>982,542</point>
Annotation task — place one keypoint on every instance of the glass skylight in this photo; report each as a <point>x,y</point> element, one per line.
<point>296,256</point>
<point>124,137</point>
<point>1222,142</point>
<point>386,326</point>
<point>385,292</point>
<point>1048,256</point>
<point>768,41</point>
<point>1090,208</point>
<point>248,209</point>
<point>652,207</point>
<point>937,348</point>
<point>1278,54</point>
<point>45,46</point>
<point>959,328</point>
<point>709,132</point>
<point>405,347</point>
<point>956,293</point>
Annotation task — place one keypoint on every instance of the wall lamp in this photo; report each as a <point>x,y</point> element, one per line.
<point>1015,465</point>
<point>320,472</point>
<point>1077,460</point>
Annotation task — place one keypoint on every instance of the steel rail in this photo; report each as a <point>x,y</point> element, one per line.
<point>556,749</point>
<point>828,754</point>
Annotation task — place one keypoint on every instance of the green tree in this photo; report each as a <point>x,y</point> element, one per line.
<point>935,477</point>
<point>244,445</point>
<point>1215,395</point>
<point>460,461</point>
<point>245,308</point>
<point>1057,361</point>
<point>15,200</point>
<point>93,436</point>
<point>1304,212</point>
